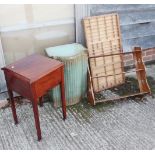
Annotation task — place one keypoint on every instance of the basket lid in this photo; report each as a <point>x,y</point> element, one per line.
<point>68,50</point>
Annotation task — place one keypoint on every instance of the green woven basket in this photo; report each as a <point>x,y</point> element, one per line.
<point>75,60</point>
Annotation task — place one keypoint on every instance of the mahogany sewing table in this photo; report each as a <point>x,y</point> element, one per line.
<point>32,77</point>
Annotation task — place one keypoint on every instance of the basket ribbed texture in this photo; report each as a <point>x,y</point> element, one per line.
<point>75,74</point>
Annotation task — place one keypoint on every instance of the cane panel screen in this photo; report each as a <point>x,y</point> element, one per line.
<point>103,40</point>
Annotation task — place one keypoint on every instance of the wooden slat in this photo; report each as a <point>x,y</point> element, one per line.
<point>120,97</point>
<point>143,42</point>
<point>128,15</point>
<point>137,23</point>
<point>108,8</point>
<point>106,75</point>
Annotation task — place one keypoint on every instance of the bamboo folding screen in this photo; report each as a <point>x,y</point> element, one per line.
<point>106,67</point>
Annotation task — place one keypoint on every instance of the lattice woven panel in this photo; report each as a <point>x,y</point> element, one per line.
<point>103,37</point>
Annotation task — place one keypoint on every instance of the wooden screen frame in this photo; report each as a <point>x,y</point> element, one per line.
<point>104,40</point>
<point>137,56</point>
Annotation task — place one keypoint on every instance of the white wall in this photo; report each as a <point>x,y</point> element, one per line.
<point>13,15</point>
<point>2,63</point>
<point>27,29</point>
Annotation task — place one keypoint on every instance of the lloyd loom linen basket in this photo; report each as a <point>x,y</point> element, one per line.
<point>75,59</point>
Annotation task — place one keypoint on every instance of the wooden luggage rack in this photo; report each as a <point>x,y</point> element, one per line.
<point>106,66</point>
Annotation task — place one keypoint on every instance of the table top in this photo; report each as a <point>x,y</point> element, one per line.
<point>34,66</point>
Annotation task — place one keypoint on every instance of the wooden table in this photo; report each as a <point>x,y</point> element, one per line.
<point>32,77</point>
